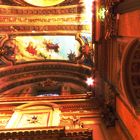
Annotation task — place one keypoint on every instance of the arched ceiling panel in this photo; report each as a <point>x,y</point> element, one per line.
<point>39,3</point>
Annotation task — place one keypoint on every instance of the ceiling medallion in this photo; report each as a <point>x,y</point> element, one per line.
<point>43,3</point>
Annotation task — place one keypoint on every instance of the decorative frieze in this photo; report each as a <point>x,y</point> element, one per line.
<point>29,28</point>
<point>23,19</point>
<point>46,133</point>
<point>40,20</point>
<point>7,10</point>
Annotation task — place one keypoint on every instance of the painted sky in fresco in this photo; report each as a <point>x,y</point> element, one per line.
<point>30,48</point>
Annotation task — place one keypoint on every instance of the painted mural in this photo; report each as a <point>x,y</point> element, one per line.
<point>21,49</point>
<point>33,48</point>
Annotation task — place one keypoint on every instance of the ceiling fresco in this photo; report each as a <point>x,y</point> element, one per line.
<point>34,48</point>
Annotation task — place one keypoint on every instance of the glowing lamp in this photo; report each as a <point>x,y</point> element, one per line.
<point>90,81</point>
<point>101,13</point>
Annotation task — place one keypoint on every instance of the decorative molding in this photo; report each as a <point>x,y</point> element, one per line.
<point>64,18</point>
<point>46,28</point>
<point>109,108</point>
<point>39,72</point>
<point>50,65</point>
<point>122,43</point>
<point>80,106</point>
<point>111,19</point>
<point>67,98</point>
<point>130,73</point>
<point>47,132</point>
<point>39,20</point>
<point>8,10</point>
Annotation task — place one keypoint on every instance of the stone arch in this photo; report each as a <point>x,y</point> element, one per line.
<point>130,73</point>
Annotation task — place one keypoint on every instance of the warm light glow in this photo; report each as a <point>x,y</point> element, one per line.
<point>56,117</point>
<point>43,3</point>
<point>88,6</point>
<point>14,120</point>
<point>90,81</point>
<point>101,13</point>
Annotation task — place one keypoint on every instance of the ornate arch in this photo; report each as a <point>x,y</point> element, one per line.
<point>130,73</point>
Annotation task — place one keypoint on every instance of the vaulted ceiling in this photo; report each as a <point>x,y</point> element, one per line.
<point>39,3</point>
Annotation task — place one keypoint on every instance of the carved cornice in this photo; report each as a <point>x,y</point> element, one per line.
<point>74,9</point>
<point>73,29</point>
<point>59,99</point>
<point>79,106</point>
<point>42,20</point>
<point>50,132</point>
<point>39,20</point>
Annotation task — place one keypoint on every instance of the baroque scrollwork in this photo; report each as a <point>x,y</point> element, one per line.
<point>108,112</point>
<point>86,54</point>
<point>71,122</point>
<point>111,18</point>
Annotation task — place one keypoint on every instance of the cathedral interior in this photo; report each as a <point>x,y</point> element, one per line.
<point>69,69</point>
